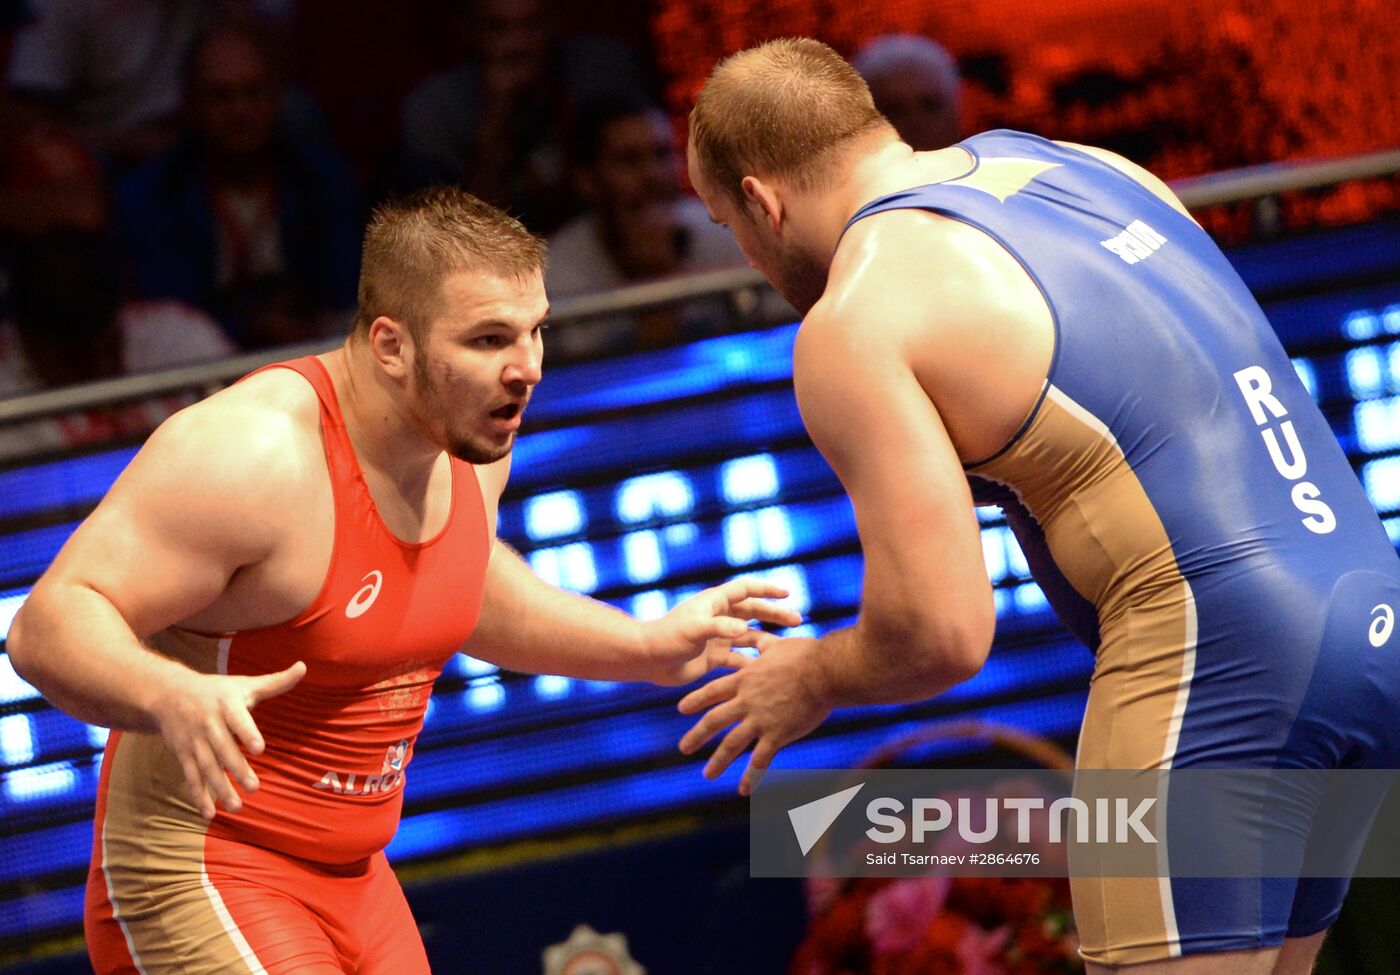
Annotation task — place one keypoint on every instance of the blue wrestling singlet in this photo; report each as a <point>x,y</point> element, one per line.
<point>1191,517</point>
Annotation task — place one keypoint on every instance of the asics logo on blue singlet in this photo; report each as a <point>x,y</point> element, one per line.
<point>1382,625</point>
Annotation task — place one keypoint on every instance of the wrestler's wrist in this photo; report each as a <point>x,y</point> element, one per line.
<point>818,678</point>
<point>166,690</point>
<point>655,653</point>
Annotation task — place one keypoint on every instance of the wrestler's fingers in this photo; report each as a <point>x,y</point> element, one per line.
<point>762,757</point>
<point>720,689</point>
<point>229,755</point>
<point>270,685</point>
<point>194,785</point>
<point>738,590</point>
<point>732,660</point>
<point>724,628</point>
<point>757,639</point>
<point>215,779</point>
<point>710,725</point>
<point>241,723</point>
<point>730,748</point>
<point>767,612</point>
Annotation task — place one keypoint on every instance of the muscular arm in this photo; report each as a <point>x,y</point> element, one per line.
<point>926,615</point>
<point>189,512</point>
<point>530,626</point>
<point>162,545</point>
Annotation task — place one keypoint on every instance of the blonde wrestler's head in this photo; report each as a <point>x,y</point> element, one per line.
<point>774,122</point>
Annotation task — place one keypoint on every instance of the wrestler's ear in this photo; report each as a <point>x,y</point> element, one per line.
<point>764,203</point>
<point>392,345</point>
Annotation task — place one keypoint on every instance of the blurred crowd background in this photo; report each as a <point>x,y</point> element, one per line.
<point>186,178</point>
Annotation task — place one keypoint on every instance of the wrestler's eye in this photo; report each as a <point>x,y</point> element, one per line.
<point>489,342</point>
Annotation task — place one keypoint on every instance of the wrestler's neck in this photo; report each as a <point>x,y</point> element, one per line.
<point>381,428</point>
<point>872,171</point>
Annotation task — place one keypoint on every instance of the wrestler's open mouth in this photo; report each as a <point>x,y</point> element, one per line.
<point>508,412</point>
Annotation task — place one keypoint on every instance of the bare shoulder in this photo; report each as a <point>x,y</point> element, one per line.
<point>266,425</point>
<point>921,295</point>
<point>1133,171</point>
<point>911,276</point>
<point>253,448</point>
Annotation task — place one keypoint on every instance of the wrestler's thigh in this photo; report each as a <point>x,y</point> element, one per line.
<point>201,925</point>
<point>392,945</point>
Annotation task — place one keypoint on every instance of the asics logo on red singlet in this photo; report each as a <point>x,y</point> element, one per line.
<point>1257,388</point>
<point>1382,625</point>
<point>366,595</point>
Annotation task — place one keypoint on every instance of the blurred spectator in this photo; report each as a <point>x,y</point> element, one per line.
<point>48,183</point>
<point>47,180</point>
<point>69,325</point>
<point>107,70</point>
<point>638,226</point>
<point>493,123</point>
<point>916,86</point>
<point>241,218</point>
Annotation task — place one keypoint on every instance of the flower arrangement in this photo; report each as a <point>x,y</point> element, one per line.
<point>943,926</point>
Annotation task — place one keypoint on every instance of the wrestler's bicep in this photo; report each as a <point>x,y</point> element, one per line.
<point>191,509</point>
<point>870,418</point>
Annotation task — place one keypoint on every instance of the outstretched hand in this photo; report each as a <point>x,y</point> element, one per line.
<point>206,718</point>
<point>771,701</point>
<point>701,633</point>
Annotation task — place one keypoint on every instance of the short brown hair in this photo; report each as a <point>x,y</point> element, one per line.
<point>780,109</point>
<point>414,242</point>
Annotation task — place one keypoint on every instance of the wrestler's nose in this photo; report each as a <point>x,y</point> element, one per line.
<point>526,364</point>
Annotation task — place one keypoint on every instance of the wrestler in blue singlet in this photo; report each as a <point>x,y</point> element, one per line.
<point>1191,517</point>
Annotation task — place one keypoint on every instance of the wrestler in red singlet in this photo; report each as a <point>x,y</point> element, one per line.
<point>296,881</point>
<point>234,841</point>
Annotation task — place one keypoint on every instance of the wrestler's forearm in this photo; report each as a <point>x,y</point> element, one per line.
<point>530,626</point>
<point>70,642</point>
<point>861,665</point>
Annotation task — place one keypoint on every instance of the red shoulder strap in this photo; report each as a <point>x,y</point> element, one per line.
<point>340,455</point>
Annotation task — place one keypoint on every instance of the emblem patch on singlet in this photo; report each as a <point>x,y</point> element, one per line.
<point>353,784</point>
<point>1003,178</point>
